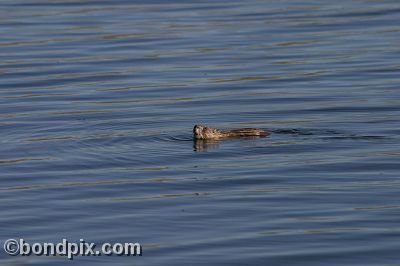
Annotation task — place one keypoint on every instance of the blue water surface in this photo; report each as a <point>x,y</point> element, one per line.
<point>97,103</point>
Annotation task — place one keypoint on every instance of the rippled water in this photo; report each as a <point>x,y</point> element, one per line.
<point>98,100</point>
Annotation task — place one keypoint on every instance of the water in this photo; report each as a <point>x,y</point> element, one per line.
<point>98,101</point>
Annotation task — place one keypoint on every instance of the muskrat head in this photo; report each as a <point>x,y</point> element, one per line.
<point>203,132</point>
<point>197,131</point>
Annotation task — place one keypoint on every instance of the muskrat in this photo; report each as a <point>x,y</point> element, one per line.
<point>204,132</point>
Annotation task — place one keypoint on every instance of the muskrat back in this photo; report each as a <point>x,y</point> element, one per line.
<point>245,132</point>
<point>204,132</point>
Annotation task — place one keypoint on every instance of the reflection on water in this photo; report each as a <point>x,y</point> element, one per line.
<point>204,145</point>
<point>98,100</point>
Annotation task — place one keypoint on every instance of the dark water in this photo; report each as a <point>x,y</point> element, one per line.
<point>98,100</point>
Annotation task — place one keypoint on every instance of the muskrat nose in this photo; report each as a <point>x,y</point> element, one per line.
<point>195,129</point>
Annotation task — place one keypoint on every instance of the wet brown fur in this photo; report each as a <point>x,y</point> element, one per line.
<point>204,132</point>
